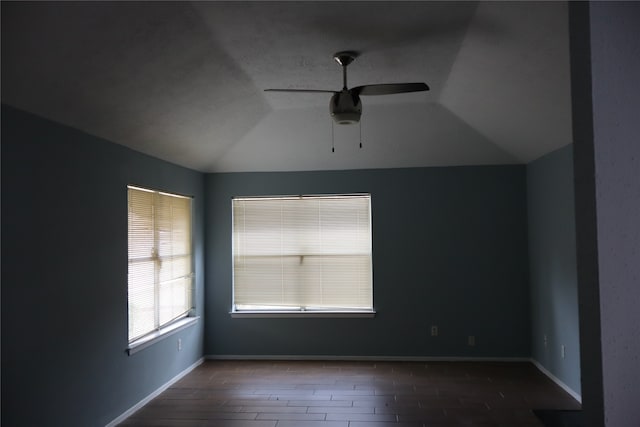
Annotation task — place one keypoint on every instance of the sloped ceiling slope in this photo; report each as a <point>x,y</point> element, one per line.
<point>184,81</point>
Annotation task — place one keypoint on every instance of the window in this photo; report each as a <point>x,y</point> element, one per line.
<point>160,266</point>
<point>302,254</point>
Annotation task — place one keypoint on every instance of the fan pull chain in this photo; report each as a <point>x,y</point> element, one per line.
<point>360,123</point>
<point>333,145</point>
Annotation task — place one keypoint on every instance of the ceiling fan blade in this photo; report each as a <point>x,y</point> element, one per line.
<point>389,88</point>
<point>301,90</point>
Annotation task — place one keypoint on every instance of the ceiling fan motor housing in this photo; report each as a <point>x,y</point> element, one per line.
<point>345,107</point>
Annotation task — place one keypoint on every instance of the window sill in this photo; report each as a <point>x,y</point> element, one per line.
<point>297,314</point>
<point>154,337</point>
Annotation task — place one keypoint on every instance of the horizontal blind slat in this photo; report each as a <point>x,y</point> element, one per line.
<point>160,262</point>
<point>302,252</point>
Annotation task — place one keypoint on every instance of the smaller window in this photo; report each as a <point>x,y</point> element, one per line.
<point>302,254</point>
<point>160,262</point>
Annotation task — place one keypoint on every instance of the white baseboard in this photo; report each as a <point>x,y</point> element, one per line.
<point>366,358</point>
<point>557,380</point>
<point>153,395</point>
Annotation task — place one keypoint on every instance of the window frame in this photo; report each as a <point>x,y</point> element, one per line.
<point>184,320</point>
<point>302,312</point>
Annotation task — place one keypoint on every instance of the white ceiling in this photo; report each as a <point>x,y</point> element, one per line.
<point>184,81</point>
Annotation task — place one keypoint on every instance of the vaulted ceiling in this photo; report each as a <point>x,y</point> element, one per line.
<point>184,81</point>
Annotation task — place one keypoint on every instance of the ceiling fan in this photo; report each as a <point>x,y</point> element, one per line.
<point>345,106</point>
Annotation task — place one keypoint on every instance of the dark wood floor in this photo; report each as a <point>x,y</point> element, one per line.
<point>355,394</point>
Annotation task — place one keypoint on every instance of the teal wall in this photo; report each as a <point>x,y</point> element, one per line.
<point>64,276</point>
<point>449,249</point>
<point>552,265</point>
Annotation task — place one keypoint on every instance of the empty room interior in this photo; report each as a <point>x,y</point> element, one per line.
<point>347,198</point>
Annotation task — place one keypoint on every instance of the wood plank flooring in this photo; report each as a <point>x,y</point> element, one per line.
<point>354,394</point>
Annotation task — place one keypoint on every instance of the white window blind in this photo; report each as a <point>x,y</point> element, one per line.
<point>160,267</point>
<point>302,253</point>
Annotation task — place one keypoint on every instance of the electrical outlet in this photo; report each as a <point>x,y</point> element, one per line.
<point>545,340</point>
<point>434,331</point>
<point>562,351</point>
<point>179,344</point>
<point>472,340</point>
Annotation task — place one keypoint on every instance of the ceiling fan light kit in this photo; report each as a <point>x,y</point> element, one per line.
<point>345,106</point>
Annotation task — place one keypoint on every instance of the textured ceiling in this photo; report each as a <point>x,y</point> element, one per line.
<point>184,81</point>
